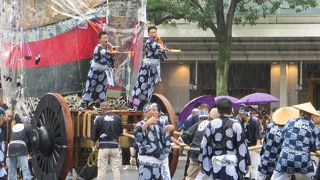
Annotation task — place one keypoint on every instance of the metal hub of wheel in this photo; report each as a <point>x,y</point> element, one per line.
<point>52,138</point>
<point>41,140</point>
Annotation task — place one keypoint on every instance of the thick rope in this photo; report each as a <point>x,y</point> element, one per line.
<point>91,161</point>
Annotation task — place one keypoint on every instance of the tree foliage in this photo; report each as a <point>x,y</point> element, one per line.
<point>219,16</point>
<point>205,12</point>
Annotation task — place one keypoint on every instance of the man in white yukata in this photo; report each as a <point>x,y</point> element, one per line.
<point>224,152</point>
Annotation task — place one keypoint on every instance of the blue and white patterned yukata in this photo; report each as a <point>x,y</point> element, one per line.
<point>224,137</point>
<point>153,146</point>
<point>3,132</point>
<point>149,73</point>
<point>270,150</point>
<point>99,76</point>
<point>300,137</point>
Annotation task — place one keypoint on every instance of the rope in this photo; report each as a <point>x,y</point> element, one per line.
<point>89,119</point>
<point>84,124</point>
<point>256,148</point>
<point>125,133</point>
<point>91,161</point>
<point>78,124</point>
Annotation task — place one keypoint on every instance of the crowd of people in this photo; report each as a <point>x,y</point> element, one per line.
<point>14,145</point>
<point>218,138</point>
<point>286,146</point>
<point>219,142</point>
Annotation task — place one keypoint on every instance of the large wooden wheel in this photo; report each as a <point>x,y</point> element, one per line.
<point>52,138</point>
<point>167,108</point>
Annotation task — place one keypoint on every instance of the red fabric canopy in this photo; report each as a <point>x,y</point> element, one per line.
<point>77,44</point>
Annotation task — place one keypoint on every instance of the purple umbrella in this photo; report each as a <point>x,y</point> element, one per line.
<point>232,99</point>
<point>187,109</point>
<point>257,98</point>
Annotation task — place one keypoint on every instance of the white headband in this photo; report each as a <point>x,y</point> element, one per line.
<point>149,107</point>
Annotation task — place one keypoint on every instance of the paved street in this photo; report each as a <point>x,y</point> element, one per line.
<point>132,172</point>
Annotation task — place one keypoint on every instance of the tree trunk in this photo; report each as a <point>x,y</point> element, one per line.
<point>222,66</point>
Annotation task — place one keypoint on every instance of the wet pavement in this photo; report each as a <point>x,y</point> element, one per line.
<point>132,173</point>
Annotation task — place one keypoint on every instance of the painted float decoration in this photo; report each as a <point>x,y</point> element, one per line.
<point>46,46</point>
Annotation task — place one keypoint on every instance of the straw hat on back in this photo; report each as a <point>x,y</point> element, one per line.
<point>316,120</point>
<point>283,115</point>
<point>307,107</point>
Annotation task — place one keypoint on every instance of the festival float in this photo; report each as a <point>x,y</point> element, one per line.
<point>46,48</point>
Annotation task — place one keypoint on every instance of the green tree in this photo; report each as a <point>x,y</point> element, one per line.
<point>219,16</point>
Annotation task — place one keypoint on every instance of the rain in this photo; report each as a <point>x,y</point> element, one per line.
<point>261,55</point>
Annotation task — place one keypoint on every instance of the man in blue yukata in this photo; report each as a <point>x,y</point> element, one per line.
<point>300,136</point>
<point>153,140</point>
<point>100,75</point>
<point>149,73</point>
<point>273,141</point>
<point>223,151</point>
<point>193,137</point>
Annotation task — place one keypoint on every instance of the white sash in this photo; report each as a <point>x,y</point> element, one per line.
<point>98,66</point>
<point>153,62</point>
<point>109,73</point>
<point>17,142</point>
<point>108,70</point>
<point>149,160</point>
<point>150,61</point>
<point>224,160</point>
<point>156,163</point>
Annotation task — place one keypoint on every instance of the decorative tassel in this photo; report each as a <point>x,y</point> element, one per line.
<point>38,58</point>
<point>27,52</point>
<point>7,77</point>
<point>18,82</point>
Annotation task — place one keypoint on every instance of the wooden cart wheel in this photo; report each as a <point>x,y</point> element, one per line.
<point>167,108</point>
<point>52,138</point>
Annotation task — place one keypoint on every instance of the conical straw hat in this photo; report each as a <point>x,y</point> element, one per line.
<point>283,115</point>
<point>307,107</point>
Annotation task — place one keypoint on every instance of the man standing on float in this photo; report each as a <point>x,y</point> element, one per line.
<point>100,73</point>
<point>149,73</point>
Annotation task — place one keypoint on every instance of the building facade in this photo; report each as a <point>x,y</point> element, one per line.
<point>279,55</point>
